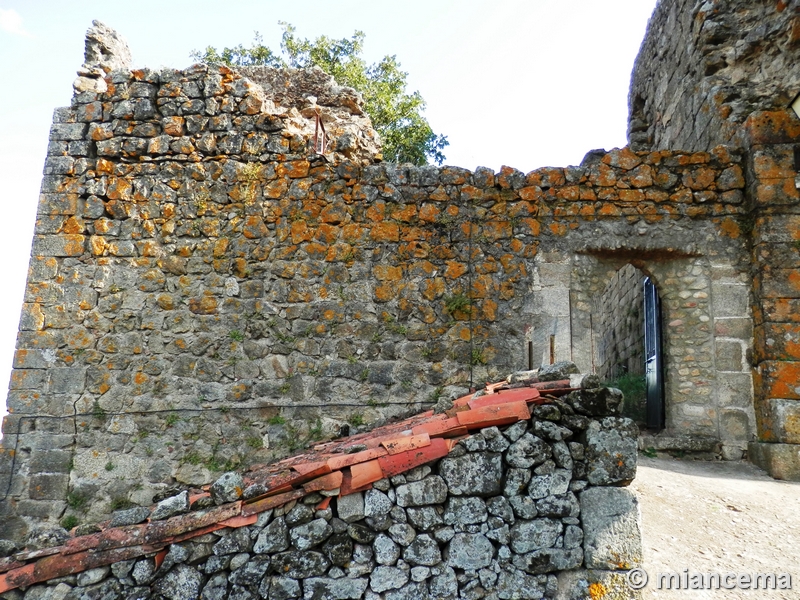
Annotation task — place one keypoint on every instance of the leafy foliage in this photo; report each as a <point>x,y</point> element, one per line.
<point>396,115</point>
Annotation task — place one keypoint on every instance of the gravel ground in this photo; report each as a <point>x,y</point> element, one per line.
<point>717,517</point>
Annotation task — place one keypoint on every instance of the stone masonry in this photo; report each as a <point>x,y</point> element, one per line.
<point>205,291</point>
<point>724,72</point>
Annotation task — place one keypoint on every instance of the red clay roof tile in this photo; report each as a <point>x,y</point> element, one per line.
<point>400,463</point>
<point>404,443</point>
<point>331,481</point>
<point>366,472</point>
<point>489,416</point>
<point>261,504</point>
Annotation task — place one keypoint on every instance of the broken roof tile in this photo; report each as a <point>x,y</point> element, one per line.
<point>400,463</point>
<point>331,481</point>
<point>261,504</point>
<point>523,394</point>
<point>406,442</point>
<point>442,427</point>
<point>490,416</point>
<point>366,472</point>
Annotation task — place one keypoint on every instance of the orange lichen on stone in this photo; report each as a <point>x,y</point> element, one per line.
<point>730,228</point>
<point>385,232</point>
<point>327,233</point>
<point>353,232</point>
<point>432,288</point>
<point>301,232</point>
<point>254,227</point>
<point>597,591</point>
<point>455,269</point>
<point>387,273</point>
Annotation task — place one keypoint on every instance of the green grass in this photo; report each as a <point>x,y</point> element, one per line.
<point>76,500</point>
<point>456,303</point>
<point>477,357</point>
<point>634,390</point>
<point>98,412</point>
<point>435,394</point>
<point>256,443</point>
<point>69,522</point>
<point>236,335</point>
<point>193,458</point>
<point>120,503</point>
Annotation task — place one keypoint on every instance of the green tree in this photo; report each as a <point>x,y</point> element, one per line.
<point>396,115</point>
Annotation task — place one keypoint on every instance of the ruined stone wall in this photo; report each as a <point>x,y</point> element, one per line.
<point>621,309</point>
<point>205,292</point>
<point>704,66</point>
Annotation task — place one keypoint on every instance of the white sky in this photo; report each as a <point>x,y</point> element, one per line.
<point>525,83</point>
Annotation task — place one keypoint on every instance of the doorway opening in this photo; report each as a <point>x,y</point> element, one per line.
<point>630,349</point>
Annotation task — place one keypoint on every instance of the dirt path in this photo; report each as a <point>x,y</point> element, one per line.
<point>717,517</point>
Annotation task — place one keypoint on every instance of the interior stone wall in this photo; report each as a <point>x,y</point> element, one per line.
<point>621,315</point>
<point>712,72</point>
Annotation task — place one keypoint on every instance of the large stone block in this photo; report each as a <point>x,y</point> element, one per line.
<point>611,451</point>
<point>612,539</point>
<point>729,355</point>
<point>55,461</point>
<point>431,490</point>
<point>49,486</point>
<point>781,461</point>
<point>476,474</point>
<point>780,420</point>
<point>735,390</point>
<point>731,300</point>
<point>779,379</point>
<point>735,425</point>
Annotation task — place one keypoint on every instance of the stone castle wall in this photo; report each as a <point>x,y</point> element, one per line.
<point>205,292</point>
<point>723,72</point>
<point>705,66</point>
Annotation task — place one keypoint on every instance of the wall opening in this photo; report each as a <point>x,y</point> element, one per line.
<point>629,344</point>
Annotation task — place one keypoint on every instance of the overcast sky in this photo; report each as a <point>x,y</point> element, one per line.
<point>524,83</point>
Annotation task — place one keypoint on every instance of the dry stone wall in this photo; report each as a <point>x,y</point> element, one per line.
<point>538,509</point>
<point>204,291</point>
